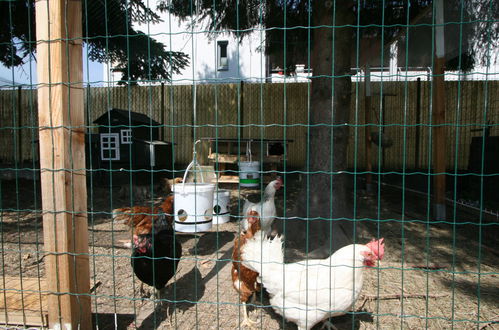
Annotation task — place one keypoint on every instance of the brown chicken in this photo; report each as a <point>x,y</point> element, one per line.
<point>244,279</point>
<point>140,218</point>
<point>167,184</point>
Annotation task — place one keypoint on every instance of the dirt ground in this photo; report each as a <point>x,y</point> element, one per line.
<point>461,278</point>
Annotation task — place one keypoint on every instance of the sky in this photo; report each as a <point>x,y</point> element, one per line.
<point>26,74</point>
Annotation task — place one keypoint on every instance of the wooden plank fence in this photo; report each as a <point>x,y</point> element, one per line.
<point>276,111</point>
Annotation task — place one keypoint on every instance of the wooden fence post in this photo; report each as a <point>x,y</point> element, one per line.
<point>418,123</point>
<point>19,130</point>
<point>162,109</point>
<point>439,136</point>
<point>241,110</point>
<point>62,162</point>
<point>367,129</point>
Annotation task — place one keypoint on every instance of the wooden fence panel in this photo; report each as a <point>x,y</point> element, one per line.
<point>7,123</point>
<point>294,116</point>
<point>467,105</point>
<point>277,111</point>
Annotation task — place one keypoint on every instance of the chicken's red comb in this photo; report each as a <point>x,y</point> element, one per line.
<point>377,247</point>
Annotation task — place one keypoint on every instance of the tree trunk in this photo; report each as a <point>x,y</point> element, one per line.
<point>328,190</point>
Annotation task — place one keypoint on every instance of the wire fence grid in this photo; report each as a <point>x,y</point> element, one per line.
<point>247,100</point>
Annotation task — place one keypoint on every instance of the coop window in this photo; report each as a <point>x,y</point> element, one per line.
<point>223,59</point>
<point>126,136</point>
<point>110,146</point>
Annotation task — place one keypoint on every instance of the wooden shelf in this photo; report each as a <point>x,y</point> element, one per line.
<point>233,159</point>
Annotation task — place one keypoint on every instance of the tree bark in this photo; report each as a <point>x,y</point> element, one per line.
<point>324,184</point>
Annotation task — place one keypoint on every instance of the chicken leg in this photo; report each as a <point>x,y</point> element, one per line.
<point>142,292</point>
<point>157,294</point>
<point>246,320</point>
<point>328,325</point>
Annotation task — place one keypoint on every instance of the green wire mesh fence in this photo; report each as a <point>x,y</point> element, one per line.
<point>327,123</point>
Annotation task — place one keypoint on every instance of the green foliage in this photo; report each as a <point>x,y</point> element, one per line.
<point>107,28</point>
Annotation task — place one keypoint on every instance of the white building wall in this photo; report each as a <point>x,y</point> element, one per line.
<point>245,60</point>
<point>396,71</point>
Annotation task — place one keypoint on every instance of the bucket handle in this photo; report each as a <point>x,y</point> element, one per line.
<point>193,163</point>
<point>248,150</point>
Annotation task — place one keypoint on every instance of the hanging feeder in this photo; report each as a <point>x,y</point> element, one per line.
<point>249,175</point>
<point>193,205</point>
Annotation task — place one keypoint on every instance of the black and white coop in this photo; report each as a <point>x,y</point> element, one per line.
<point>130,141</point>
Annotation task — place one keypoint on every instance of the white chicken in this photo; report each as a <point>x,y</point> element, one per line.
<point>266,207</point>
<point>308,292</point>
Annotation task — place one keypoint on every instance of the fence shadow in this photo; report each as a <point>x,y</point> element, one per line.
<point>348,321</point>
<point>179,297</point>
<point>207,243</point>
<point>105,321</point>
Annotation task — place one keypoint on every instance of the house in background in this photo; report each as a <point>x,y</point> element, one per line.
<point>409,54</point>
<point>129,140</point>
<point>406,56</point>
<point>217,58</point>
<point>300,74</point>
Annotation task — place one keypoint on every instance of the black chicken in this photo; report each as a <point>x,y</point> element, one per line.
<point>155,257</point>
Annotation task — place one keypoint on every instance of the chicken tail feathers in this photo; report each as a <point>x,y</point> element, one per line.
<point>246,206</point>
<point>121,215</point>
<point>261,254</point>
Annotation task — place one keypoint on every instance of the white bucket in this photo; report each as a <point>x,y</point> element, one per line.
<point>249,175</point>
<point>221,200</point>
<point>193,206</point>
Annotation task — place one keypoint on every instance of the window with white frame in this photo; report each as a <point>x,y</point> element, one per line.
<point>110,146</point>
<point>126,136</point>
<point>222,56</point>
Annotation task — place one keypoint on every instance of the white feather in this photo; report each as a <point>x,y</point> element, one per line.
<point>266,209</point>
<point>309,291</point>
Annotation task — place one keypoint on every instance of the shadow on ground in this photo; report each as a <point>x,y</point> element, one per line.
<point>104,321</point>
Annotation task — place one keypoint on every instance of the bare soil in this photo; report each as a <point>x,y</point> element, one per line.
<point>435,274</point>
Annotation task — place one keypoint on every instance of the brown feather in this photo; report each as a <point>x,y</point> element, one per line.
<point>140,218</point>
<point>145,225</point>
<point>243,278</point>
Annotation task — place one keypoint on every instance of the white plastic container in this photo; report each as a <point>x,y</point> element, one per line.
<point>193,207</point>
<point>249,175</point>
<point>221,201</point>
